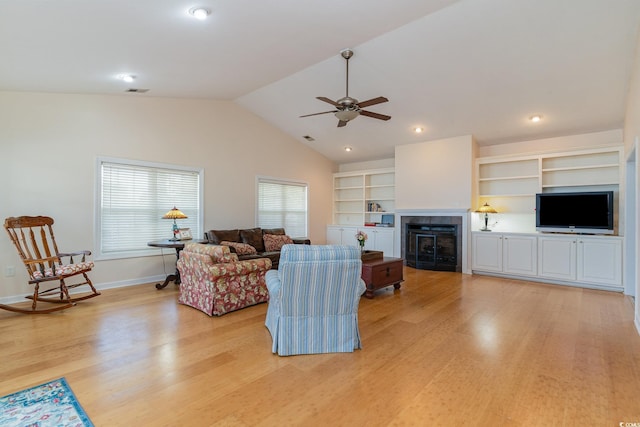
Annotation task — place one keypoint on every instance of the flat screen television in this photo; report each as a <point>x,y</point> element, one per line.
<point>580,212</point>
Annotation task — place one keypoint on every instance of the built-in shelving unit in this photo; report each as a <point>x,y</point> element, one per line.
<point>514,181</point>
<point>510,183</point>
<point>508,177</point>
<point>363,197</point>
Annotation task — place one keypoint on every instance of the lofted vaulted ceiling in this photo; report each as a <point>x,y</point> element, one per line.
<point>480,67</point>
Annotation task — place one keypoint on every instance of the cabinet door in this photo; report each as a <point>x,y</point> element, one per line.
<point>383,241</point>
<point>487,251</point>
<point>520,255</point>
<point>600,261</point>
<point>341,235</point>
<point>557,257</point>
<point>334,235</point>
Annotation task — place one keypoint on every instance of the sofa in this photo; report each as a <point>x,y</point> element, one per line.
<point>214,281</point>
<point>254,243</point>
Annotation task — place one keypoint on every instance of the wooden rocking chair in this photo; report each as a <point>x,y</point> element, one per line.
<point>36,244</point>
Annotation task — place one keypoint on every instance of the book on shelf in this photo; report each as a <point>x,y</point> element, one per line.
<point>374,207</point>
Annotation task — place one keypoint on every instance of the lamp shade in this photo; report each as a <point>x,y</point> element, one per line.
<point>486,209</point>
<point>174,213</point>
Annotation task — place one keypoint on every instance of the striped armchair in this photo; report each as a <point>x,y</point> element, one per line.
<point>313,300</point>
<point>215,282</point>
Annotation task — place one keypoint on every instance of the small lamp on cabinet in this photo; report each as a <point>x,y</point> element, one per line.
<point>486,210</point>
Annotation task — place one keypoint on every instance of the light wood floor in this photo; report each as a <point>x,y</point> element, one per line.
<point>447,349</point>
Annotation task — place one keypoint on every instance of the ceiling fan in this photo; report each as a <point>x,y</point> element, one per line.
<point>348,108</point>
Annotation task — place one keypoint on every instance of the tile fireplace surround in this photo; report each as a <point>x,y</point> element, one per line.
<point>459,217</point>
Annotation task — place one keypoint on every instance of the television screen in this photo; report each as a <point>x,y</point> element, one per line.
<point>586,212</point>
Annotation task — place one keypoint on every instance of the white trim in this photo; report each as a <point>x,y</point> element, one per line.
<point>284,181</point>
<point>97,255</point>
<point>101,287</point>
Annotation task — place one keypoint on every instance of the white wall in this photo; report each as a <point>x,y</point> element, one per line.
<point>632,137</point>
<point>554,145</point>
<point>49,144</point>
<point>372,164</point>
<point>435,174</point>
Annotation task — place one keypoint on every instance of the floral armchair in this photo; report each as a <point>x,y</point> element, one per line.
<point>215,282</point>
<point>313,300</point>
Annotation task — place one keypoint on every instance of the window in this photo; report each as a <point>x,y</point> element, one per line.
<point>283,204</point>
<point>133,196</point>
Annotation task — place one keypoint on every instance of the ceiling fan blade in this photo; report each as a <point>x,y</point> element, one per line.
<point>342,123</point>
<point>315,114</point>
<point>374,115</point>
<point>325,99</point>
<point>373,101</point>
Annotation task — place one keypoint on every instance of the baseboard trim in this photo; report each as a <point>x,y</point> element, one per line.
<point>12,299</point>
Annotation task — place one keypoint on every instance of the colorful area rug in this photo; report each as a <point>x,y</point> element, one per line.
<point>49,404</point>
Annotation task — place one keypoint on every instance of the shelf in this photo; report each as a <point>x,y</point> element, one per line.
<point>600,184</point>
<point>511,183</point>
<point>507,195</point>
<point>353,191</point>
<point>506,178</point>
<point>579,168</point>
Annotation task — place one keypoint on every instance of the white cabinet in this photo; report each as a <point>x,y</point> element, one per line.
<point>504,253</point>
<point>341,235</point>
<point>519,254</point>
<point>487,251</point>
<point>580,260</point>
<point>599,260</point>
<point>557,257</point>
<point>593,260</point>
<point>380,239</point>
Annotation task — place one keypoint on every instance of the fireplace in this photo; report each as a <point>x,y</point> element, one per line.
<point>432,242</point>
<point>432,247</point>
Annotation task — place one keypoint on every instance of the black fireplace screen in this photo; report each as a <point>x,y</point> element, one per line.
<point>431,247</point>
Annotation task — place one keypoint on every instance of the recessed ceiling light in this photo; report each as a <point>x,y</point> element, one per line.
<point>347,149</point>
<point>126,77</point>
<point>199,12</point>
<point>418,129</point>
<point>536,118</point>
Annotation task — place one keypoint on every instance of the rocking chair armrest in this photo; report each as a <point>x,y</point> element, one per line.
<point>74,253</point>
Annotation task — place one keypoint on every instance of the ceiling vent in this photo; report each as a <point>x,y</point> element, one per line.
<point>309,138</point>
<point>133,90</point>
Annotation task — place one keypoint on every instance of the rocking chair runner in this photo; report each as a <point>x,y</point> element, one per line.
<point>34,239</point>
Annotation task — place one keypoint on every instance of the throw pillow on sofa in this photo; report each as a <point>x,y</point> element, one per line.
<point>274,242</point>
<point>241,248</point>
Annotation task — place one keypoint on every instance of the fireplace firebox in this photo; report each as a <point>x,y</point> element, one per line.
<point>432,246</point>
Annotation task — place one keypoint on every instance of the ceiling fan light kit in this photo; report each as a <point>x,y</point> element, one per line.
<point>348,108</point>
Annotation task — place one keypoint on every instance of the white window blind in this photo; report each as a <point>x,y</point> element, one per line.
<point>133,197</point>
<point>283,204</point>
